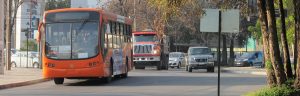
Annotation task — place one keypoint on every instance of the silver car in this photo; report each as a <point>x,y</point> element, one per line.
<point>200,58</point>
<point>176,59</point>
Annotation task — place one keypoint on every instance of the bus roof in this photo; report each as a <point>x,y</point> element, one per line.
<point>106,15</point>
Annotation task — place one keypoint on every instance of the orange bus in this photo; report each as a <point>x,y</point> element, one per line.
<point>85,43</point>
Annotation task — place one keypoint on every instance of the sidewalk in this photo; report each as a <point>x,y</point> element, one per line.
<point>20,77</point>
<point>245,70</point>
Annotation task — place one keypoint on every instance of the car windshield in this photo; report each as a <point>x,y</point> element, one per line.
<point>144,38</point>
<point>72,40</point>
<point>247,55</point>
<point>199,51</point>
<point>175,55</point>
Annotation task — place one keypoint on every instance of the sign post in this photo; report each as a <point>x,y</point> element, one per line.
<point>215,20</point>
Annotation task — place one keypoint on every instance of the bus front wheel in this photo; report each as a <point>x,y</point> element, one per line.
<point>58,81</point>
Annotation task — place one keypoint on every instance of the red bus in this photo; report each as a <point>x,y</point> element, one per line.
<point>85,43</point>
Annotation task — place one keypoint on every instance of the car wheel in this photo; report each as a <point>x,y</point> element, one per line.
<point>210,69</point>
<point>13,64</point>
<point>58,81</point>
<point>190,69</point>
<point>178,67</point>
<point>138,67</point>
<point>35,65</point>
<point>250,64</point>
<point>186,68</point>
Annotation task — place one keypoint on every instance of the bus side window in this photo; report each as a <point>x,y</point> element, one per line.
<point>121,35</point>
<point>103,40</point>
<point>112,32</point>
<point>125,33</point>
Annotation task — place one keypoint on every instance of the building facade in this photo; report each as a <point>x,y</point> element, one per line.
<point>27,18</point>
<point>84,3</point>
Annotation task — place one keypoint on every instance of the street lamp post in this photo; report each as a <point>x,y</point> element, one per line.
<point>29,31</point>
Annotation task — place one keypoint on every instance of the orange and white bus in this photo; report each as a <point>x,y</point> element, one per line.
<point>85,43</point>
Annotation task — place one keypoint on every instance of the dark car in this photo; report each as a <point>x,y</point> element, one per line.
<point>250,59</point>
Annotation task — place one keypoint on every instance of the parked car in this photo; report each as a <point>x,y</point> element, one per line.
<point>200,58</point>
<point>176,59</point>
<point>250,59</point>
<point>19,59</point>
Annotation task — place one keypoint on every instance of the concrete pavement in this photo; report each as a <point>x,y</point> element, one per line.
<point>20,77</point>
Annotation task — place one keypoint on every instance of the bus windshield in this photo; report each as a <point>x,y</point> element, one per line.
<point>144,38</point>
<point>71,40</point>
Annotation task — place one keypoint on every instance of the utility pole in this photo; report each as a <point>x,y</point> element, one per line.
<point>218,50</point>
<point>134,19</point>
<point>29,31</point>
<point>8,34</point>
<point>2,36</point>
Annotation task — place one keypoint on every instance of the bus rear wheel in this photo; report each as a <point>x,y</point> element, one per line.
<point>58,81</point>
<point>125,75</point>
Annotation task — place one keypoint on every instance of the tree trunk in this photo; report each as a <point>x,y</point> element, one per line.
<point>231,56</point>
<point>264,27</point>
<point>8,35</point>
<point>296,17</point>
<point>273,44</point>
<point>297,11</point>
<point>1,38</point>
<point>224,51</point>
<point>286,54</point>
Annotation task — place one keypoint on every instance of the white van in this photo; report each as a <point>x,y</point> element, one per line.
<point>19,59</point>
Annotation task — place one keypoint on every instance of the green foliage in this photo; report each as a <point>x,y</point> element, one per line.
<point>268,65</point>
<point>289,21</point>
<point>57,4</point>
<point>256,31</point>
<point>283,90</point>
<point>32,45</point>
<point>169,8</point>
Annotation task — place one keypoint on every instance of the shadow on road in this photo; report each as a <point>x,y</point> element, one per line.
<point>174,81</point>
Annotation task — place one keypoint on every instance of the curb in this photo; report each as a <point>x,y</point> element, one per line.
<point>25,83</point>
<point>245,72</point>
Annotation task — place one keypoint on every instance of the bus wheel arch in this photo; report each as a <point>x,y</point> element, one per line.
<point>125,75</point>
<point>108,79</point>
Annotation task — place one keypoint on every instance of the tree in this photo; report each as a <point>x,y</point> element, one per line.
<point>297,24</point>
<point>273,44</point>
<point>265,36</point>
<point>169,8</point>
<point>12,8</point>
<point>57,4</point>
<point>286,54</point>
<point>32,46</point>
<point>296,32</point>
<point>8,34</point>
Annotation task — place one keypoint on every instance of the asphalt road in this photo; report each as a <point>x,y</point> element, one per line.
<point>149,82</point>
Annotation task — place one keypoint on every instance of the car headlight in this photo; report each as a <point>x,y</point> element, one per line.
<point>155,51</point>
